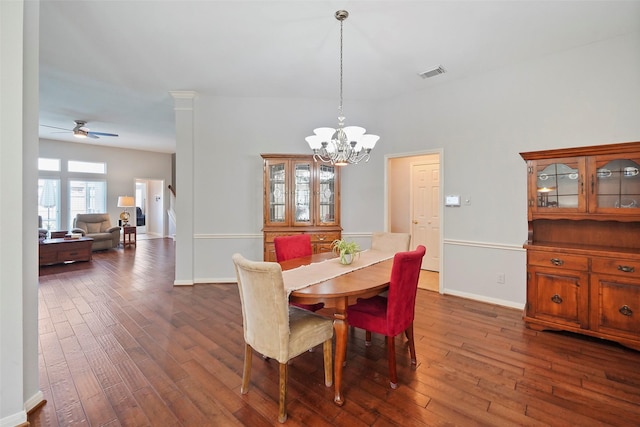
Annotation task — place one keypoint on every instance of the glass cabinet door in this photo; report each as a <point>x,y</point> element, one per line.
<point>276,174</point>
<point>558,185</point>
<point>302,193</point>
<point>615,184</point>
<point>327,194</point>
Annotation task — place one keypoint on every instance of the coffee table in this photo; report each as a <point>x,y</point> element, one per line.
<point>57,251</point>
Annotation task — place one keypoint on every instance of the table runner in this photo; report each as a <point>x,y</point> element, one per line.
<point>307,275</point>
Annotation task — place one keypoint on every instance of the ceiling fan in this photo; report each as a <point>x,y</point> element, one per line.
<point>81,131</point>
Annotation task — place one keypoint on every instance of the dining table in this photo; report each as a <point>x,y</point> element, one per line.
<point>337,293</point>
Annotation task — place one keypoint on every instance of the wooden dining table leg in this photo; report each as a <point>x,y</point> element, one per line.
<point>340,329</point>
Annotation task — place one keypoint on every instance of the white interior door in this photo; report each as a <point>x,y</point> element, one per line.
<point>425,209</point>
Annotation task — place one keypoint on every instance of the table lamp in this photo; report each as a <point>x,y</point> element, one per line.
<point>125,202</point>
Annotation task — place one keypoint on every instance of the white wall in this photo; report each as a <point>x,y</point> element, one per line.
<point>230,136</point>
<point>155,208</point>
<point>585,96</point>
<point>123,167</point>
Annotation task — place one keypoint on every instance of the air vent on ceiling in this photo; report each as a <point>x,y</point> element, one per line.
<point>432,72</point>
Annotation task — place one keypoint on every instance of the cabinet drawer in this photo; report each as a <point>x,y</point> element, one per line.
<point>268,237</point>
<point>558,260</point>
<point>48,257</point>
<point>321,237</point>
<point>617,266</point>
<point>74,255</point>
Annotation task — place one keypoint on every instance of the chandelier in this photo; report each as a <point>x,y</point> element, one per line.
<point>343,145</point>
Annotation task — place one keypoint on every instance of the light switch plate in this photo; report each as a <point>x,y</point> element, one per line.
<point>452,200</point>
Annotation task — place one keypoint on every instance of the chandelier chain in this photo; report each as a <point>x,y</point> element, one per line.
<point>340,108</point>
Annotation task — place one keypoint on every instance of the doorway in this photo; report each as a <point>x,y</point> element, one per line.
<point>150,208</point>
<point>413,183</point>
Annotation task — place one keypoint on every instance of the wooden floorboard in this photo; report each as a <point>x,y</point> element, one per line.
<point>120,346</point>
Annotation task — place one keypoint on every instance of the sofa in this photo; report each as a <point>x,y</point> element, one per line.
<point>98,227</point>
<point>42,232</point>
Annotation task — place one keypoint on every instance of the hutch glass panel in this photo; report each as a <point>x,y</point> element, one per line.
<point>327,194</point>
<point>302,192</point>
<point>618,184</point>
<point>557,186</point>
<point>277,193</point>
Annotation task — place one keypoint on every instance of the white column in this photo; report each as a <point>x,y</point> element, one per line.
<point>18,267</point>
<point>184,111</point>
<point>30,147</point>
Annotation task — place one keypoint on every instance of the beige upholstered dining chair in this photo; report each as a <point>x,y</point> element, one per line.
<point>390,242</point>
<point>274,328</point>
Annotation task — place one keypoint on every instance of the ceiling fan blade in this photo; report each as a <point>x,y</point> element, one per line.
<point>97,134</point>
<point>92,135</point>
<point>55,127</point>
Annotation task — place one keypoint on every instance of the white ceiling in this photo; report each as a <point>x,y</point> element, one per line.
<point>113,63</point>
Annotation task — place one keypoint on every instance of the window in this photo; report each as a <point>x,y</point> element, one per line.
<point>49,203</point>
<point>86,197</point>
<point>86,167</point>
<point>62,194</point>
<point>52,165</point>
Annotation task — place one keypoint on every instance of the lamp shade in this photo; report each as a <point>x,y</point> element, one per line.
<point>126,202</point>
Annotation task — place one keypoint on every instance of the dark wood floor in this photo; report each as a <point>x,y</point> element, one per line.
<point>120,346</point>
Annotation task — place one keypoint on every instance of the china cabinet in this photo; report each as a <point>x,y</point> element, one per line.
<point>300,196</point>
<point>583,247</point>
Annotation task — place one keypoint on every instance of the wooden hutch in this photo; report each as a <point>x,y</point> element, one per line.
<point>583,248</point>
<point>300,196</point>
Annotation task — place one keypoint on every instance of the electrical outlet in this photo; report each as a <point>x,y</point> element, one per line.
<point>500,278</point>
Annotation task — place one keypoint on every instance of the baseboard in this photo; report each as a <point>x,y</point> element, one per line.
<point>217,280</point>
<point>17,419</point>
<point>482,298</point>
<point>34,402</point>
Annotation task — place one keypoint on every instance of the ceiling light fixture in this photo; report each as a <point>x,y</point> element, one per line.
<point>343,145</point>
<point>79,133</point>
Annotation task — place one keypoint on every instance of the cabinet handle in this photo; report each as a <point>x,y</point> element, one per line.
<point>593,183</point>
<point>625,310</point>
<point>558,300</point>
<point>556,261</point>
<point>626,269</point>
<point>321,237</point>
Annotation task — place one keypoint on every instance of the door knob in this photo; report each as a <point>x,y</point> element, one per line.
<point>415,222</point>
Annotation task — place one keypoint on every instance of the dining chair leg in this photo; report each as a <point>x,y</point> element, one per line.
<point>391,355</point>
<point>412,344</point>
<point>282,409</point>
<point>367,339</point>
<point>328,362</point>
<point>246,370</point>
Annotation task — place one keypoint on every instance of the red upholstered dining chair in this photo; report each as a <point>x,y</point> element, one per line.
<point>393,314</point>
<point>295,246</point>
